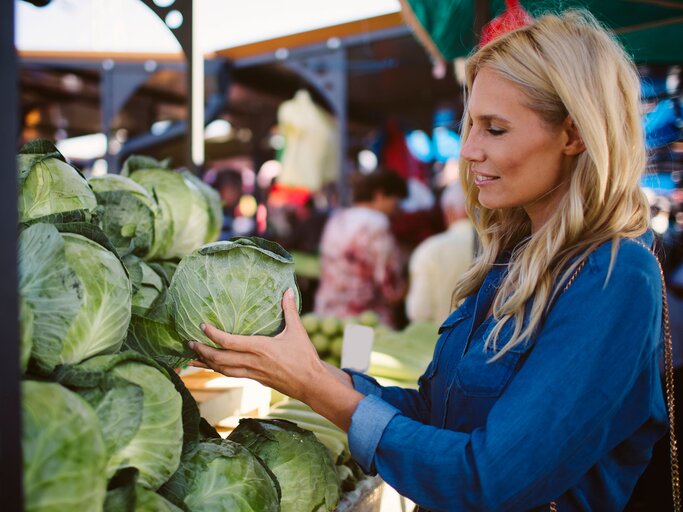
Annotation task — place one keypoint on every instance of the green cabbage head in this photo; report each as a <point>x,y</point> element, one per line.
<point>181,202</point>
<point>221,475</point>
<point>64,452</point>
<point>302,465</point>
<point>48,185</point>
<point>131,217</point>
<point>140,411</point>
<point>235,285</point>
<point>78,291</point>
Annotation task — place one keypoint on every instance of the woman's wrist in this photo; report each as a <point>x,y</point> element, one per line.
<point>331,395</point>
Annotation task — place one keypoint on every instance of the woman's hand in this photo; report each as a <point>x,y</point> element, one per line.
<point>287,362</point>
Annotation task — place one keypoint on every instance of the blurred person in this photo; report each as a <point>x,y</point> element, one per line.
<point>308,223</point>
<point>438,262</point>
<point>361,265</point>
<point>228,182</point>
<point>543,392</point>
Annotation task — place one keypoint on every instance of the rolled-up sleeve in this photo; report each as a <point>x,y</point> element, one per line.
<point>589,383</point>
<point>368,423</point>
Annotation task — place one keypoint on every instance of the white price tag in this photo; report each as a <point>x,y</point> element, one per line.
<point>357,346</point>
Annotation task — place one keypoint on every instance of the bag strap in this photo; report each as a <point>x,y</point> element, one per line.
<point>669,384</point>
<point>668,378</point>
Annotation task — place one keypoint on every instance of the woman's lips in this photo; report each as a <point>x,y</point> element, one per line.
<point>481,179</point>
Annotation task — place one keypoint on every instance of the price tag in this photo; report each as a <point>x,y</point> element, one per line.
<point>356,347</point>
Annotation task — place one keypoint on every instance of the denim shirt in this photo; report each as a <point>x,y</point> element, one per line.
<point>569,417</point>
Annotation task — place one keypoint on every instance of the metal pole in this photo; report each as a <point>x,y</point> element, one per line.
<point>195,71</point>
<point>10,375</point>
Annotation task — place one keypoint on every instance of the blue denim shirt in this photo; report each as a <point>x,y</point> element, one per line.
<point>571,416</point>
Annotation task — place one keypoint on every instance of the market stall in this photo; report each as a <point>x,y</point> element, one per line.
<point>149,224</point>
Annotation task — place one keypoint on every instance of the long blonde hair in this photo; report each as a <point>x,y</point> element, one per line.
<point>567,65</point>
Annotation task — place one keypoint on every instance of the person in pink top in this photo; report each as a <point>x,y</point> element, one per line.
<point>361,265</point>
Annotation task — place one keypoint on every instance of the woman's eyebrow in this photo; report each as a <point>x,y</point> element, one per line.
<point>490,117</point>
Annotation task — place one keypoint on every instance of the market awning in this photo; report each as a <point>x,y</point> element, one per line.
<point>651,30</point>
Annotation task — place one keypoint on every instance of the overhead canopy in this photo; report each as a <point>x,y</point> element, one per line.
<point>651,30</point>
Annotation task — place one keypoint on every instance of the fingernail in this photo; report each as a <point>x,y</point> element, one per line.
<point>191,345</point>
<point>289,293</point>
<point>202,327</point>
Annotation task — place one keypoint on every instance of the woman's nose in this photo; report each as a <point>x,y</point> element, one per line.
<point>471,150</point>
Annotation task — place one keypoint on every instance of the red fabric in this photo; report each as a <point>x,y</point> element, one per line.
<point>281,195</point>
<point>396,155</point>
<point>513,18</point>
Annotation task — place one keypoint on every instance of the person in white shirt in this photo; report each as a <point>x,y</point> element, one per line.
<point>437,263</point>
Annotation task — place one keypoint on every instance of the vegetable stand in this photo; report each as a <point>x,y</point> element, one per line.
<point>112,281</point>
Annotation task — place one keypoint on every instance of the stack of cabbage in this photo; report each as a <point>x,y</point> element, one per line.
<point>107,424</point>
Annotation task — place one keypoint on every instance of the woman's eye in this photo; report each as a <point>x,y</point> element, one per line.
<point>495,131</point>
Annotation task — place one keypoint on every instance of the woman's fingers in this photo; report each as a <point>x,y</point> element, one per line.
<point>198,364</point>
<point>234,364</point>
<point>228,341</point>
<point>291,312</point>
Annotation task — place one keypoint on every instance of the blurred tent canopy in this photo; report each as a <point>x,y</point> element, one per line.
<point>651,30</point>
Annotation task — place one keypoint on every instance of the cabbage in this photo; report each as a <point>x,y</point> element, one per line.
<point>182,202</point>
<point>131,217</point>
<point>236,285</point>
<point>221,475</point>
<point>78,290</point>
<point>151,330</point>
<point>50,288</point>
<point>48,186</point>
<point>302,465</point>
<point>215,207</point>
<point>140,411</point>
<point>102,322</point>
<point>64,453</point>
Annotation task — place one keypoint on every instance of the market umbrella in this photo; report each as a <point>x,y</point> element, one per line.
<point>651,30</point>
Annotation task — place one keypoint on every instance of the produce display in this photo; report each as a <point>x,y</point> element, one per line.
<point>327,332</point>
<point>105,310</point>
<point>115,275</point>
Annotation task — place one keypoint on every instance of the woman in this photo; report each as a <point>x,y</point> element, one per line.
<point>361,264</point>
<point>544,384</point>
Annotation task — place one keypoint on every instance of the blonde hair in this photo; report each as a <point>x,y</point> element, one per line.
<point>567,65</point>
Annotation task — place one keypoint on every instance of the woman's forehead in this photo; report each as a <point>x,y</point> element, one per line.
<point>494,97</point>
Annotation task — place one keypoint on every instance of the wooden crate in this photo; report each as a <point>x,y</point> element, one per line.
<point>223,400</point>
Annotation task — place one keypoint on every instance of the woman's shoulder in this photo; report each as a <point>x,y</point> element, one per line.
<point>628,261</point>
<point>625,253</point>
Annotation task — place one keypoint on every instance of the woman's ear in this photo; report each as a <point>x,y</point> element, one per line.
<point>573,143</point>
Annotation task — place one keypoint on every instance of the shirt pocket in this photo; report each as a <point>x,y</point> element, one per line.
<point>456,318</point>
<point>477,375</point>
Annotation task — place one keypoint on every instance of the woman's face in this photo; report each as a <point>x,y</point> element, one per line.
<point>516,158</point>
